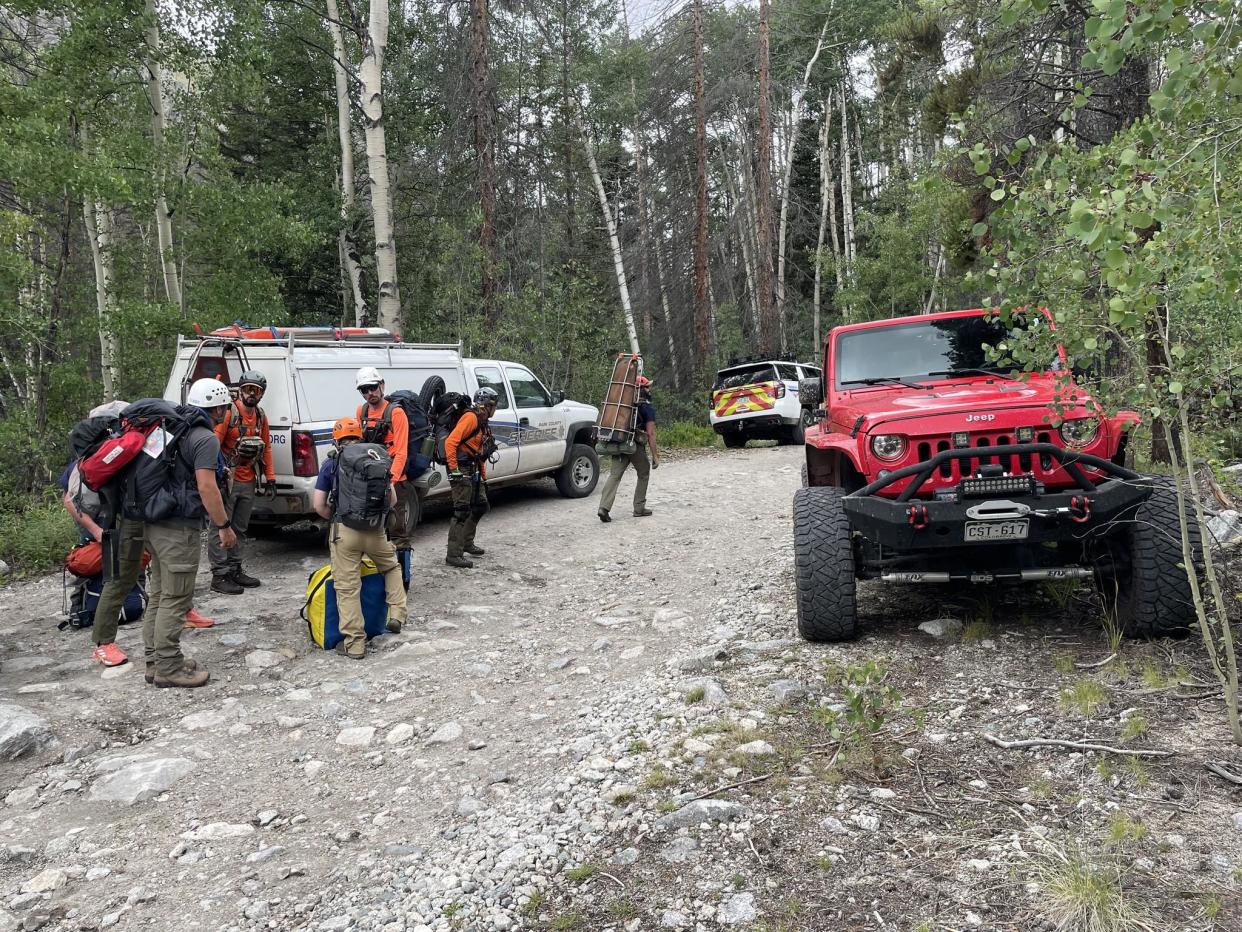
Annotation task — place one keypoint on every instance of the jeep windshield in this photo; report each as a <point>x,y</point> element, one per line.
<point>916,352</point>
<point>745,375</point>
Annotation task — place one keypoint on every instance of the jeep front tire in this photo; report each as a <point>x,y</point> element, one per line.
<point>824,565</point>
<point>1140,573</point>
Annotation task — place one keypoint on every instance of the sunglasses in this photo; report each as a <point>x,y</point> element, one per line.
<point>366,389</point>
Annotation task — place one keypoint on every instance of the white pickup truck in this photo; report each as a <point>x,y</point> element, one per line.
<point>310,383</point>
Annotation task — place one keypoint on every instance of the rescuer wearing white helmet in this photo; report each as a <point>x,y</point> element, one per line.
<point>386,424</point>
<point>192,492</point>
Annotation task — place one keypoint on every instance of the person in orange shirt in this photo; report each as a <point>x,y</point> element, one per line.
<point>467,449</point>
<point>386,424</point>
<point>246,442</point>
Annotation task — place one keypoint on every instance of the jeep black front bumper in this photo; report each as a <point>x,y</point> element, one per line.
<point>908,523</point>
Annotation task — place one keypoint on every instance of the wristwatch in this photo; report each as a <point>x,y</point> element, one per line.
<point>224,526</point>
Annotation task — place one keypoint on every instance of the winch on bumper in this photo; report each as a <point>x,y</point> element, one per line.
<point>992,507</point>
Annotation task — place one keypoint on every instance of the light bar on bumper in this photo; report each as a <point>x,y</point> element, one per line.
<point>981,486</point>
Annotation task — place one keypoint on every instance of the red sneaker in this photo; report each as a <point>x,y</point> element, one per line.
<point>109,655</point>
<point>194,620</point>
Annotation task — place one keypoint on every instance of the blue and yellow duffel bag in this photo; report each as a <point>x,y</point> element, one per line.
<point>323,621</point>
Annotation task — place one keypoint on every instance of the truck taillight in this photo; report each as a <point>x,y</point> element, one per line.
<point>780,389</point>
<point>305,459</point>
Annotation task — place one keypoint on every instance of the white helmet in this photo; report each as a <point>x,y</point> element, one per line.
<point>207,393</point>
<point>367,375</point>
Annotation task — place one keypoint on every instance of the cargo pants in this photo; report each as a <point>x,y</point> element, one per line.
<point>469,505</point>
<point>346,547</point>
<point>239,503</point>
<point>616,468</point>
<point>174,567</point>
<point>129,540</point>
<point>398,522</point>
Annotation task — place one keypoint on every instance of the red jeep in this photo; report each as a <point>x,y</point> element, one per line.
<point>928,463</point>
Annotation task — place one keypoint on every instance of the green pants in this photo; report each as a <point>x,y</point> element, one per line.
<point>174,568</point>
<point>469,505</point>
<point>238,503</point>
<point>128,539</point>
<point>347,547</point>
<point>398,522</point>
<point>616,468</point>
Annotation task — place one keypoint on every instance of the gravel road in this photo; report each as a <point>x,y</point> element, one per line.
<point>442,782</point>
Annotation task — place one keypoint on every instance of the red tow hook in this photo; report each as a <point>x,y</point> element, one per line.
<point>1080,508</point>
<point>918,517</point>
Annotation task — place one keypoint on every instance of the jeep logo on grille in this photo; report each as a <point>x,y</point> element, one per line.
<point>980,417</point>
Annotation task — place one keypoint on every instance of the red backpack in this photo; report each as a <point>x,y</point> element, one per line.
<point>137,423</point>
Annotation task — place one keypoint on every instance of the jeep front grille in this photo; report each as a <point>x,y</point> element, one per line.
<point>1041,467</point>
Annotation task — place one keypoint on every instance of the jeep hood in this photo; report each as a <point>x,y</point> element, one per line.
<point>888,404</point>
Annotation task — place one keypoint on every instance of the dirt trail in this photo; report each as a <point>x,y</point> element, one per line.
<point>558,705</point>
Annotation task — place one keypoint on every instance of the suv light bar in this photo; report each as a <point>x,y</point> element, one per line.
<point>980,486</point>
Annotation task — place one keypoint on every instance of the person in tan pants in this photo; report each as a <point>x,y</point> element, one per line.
<point>348,546</point>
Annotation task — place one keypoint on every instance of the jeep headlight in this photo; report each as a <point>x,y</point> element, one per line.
<point>888,446</point>
<point>1080,431</point>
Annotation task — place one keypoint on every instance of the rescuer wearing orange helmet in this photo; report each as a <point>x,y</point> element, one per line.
<point>348,546</point>
<point>644,436</point>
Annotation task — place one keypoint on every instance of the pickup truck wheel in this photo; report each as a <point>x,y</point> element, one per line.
<point>578,477</point>
<point>824,565</point>
<point>734,441</point>
<point>1139,570</point>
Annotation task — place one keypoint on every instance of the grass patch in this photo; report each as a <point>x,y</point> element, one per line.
<point>582,872</point>
<point>687,435</point>
<point>623,909</point>
<point>695,695</point>
<point>1078,894</point>
<point>1135,727</point>
<point>623,798</point>
<point>977,631</point>
<point>1085,697</point>
<point>36,536</point>
<point>1064,664</point>
<point>638,746</point>
<point>658,779</point>
<point>532,906</point>
<point>1123,830</point>
<point>567,921</point>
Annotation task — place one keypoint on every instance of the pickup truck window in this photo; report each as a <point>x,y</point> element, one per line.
<point>912,351</point>
<point>489,377</point>
<point>745,375</point>
<point>528,391</point>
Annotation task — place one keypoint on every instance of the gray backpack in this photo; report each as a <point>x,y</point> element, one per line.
<point>361,490</point>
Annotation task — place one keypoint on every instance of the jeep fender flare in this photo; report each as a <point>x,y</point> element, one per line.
<point>577,432</point>
<point>834,459</point>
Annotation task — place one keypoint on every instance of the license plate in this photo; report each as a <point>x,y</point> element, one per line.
<point>997,530</point>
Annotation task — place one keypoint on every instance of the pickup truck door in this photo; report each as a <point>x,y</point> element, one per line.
<point>541,428</point>
<point>504,423</point>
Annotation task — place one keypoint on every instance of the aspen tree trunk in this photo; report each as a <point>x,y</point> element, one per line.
<point>644,218</point>
<point>847,196</point>
<point>351,262</point>
<point>799,98</point>
<point>668,317</point>
<point>826,198</point>
<point>742,215</point>
<point>702,311</point>
<point>163,219</point>
<point>763,194</point>
<point>483,157</point>
<point>98,219</point>
<point>372,76</point>
<point>618,259</point>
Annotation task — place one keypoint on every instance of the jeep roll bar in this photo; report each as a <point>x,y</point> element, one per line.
<point>1067,459</point>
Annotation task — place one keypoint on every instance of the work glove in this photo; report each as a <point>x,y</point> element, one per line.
<point>267,487</point>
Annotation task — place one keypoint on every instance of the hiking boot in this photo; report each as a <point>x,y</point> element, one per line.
<point>109,655</point>
<point>460,562</point>
<point>195,620</point>
<point>186,664</point>
<point>244,580</point>
<point>186,678</point>
<point>603,516</point>
<point>341,649</point>
<point>393,625</point>
<point>643,513</point>
<point>226,585</point>
<point>474,550</point>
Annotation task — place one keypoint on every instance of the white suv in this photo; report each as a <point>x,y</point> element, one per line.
<point>757,399</point>
<point>310,383</point>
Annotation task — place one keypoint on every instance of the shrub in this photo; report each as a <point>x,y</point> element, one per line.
<point>686,435</point>
<point>36,534</point>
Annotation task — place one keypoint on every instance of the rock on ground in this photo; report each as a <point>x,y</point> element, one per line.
<point>22,732</point>
<point>142,780</point>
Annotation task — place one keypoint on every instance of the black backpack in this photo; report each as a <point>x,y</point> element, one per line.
<point>161,487</point>
<point>447,411</point>
<point>360,490</point>
<point>377,430</point>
